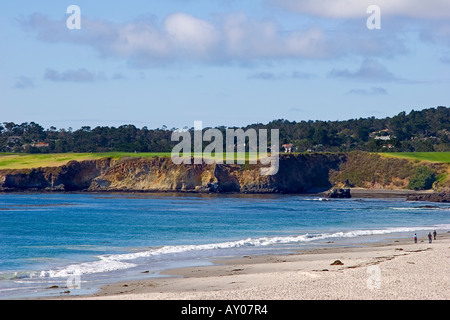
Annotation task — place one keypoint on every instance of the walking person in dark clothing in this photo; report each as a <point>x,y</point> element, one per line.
<point>429,237</point>
<point>434,234</point>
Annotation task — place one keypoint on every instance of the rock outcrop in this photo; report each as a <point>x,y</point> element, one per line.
<point>338,193</point>
<point>296,174</point>
<point>431,197</point>
<point>73,176</point>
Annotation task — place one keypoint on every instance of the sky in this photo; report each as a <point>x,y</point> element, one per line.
<point>223,62</point>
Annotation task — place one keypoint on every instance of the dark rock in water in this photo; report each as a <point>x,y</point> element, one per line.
<point>338,193</point>
<point>53,287</point>
<point>432,197</point>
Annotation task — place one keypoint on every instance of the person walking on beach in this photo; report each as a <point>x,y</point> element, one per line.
<point>415,237</point>
<point>429,237</point>
<point>434,234</point>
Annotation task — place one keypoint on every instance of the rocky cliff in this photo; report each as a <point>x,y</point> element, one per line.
<point>443,196</point>
<point>73,176</point>
<point>297,174</point>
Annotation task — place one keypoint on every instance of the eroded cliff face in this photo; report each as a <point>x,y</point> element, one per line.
<point>297,174</point>
<point>73,176</point>
<point>153,174</point>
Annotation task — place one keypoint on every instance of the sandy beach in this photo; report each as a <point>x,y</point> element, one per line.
<point>393,270</point>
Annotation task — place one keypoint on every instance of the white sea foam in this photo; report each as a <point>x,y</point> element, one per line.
<point>16,289</point>
<point>407,208</point>
<point>314,199</point>
<point>104,264</point>
<point>420,208</point>
<point>107,263</point>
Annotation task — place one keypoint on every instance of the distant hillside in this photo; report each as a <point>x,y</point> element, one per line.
<point>382,171</point>
<point>419,131</point>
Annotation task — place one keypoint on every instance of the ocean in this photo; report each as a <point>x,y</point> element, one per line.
<point>53,244</point>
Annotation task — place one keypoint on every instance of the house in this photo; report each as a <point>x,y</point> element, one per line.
<point>288,147</point>
<point>40,145</point>
<point>384,138</point>
<point>14,139</point>
<point>380,135</point>
<point>384,131</point>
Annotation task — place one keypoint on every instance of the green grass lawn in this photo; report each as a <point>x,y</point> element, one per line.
<point>441,157</point>
<point>24,161</point>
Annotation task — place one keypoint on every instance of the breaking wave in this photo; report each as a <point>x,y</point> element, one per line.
<point>108,263</point>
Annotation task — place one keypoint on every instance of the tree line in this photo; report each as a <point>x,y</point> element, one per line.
<point>425,131</point>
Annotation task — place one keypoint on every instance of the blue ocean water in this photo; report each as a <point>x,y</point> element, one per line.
<point>52,243</point>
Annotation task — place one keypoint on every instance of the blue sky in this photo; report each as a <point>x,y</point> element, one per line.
<point>224,62</point>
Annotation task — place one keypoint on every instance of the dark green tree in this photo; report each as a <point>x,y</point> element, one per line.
<point>422,179</point>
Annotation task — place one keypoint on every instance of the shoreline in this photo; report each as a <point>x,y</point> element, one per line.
<point>355,192</point>
<point>385,193</point>
<point>387,270</point>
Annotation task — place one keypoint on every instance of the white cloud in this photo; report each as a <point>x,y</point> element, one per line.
<point>281,76</point>
<point>370,70</point>
<point>437,32</point>
<point>374,91</point>
<point>430,9</point>
<point>24,83</point>
<point>190,35</point>
<point>80,75</point>
<point>227,38</point>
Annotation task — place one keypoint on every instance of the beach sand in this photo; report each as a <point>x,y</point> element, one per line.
<point>393,270</point>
